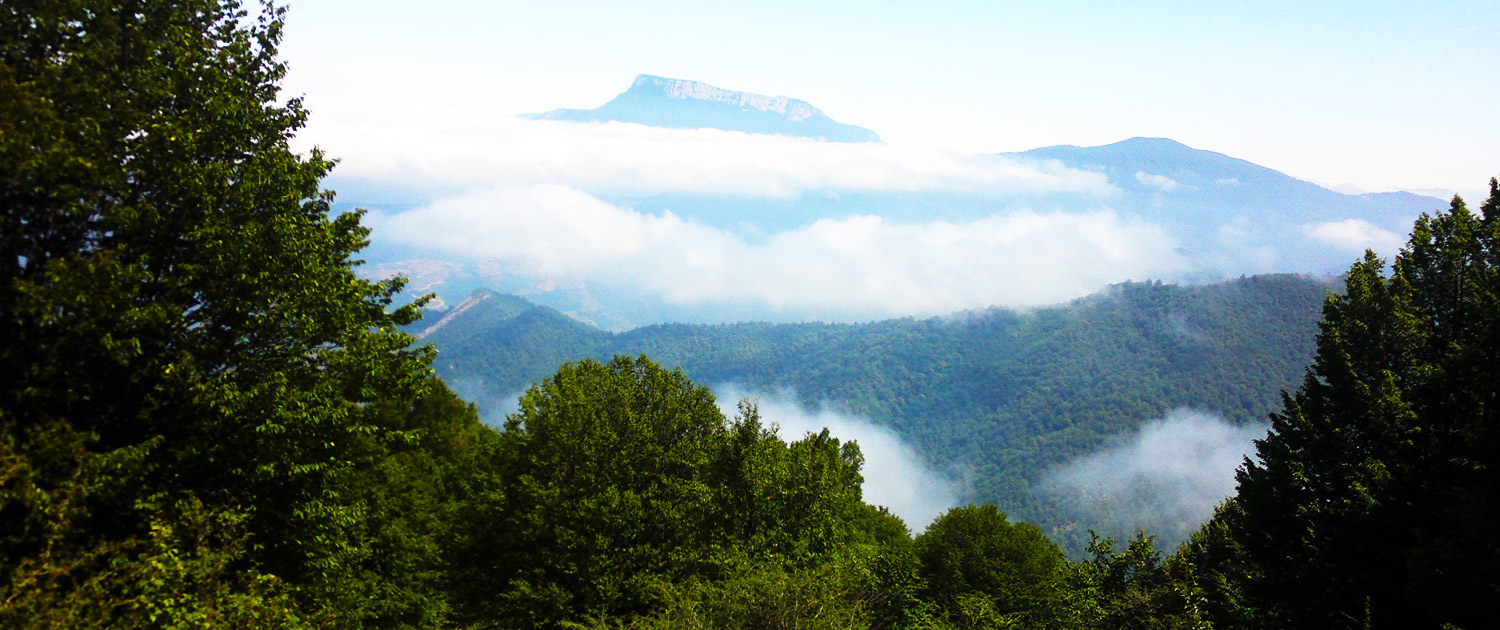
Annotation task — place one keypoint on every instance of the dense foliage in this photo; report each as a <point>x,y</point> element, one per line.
<point>187,357</point>
<point>618,477</point>
<point>974,550</point>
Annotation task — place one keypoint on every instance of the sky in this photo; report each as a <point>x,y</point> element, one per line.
<point>1358,96</point>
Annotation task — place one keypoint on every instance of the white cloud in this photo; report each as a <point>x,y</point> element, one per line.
<point>895,476</point>
<point>1165,478</point>
<point>1356,235</point>
<point>1239,248</point>
<point>859,266</point>
<point>630,158</point>
<point>421,275</point>
<point>1159,182</point>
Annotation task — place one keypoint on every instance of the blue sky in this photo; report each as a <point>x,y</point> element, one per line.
<point>1377,96</point>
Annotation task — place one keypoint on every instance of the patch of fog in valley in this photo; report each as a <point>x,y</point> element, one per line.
<point>1165,478</point>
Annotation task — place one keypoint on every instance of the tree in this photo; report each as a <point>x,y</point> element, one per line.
<point>179,314</point>
<point>796,503</point>
<point>975,551</point>
<point>183,575</point>
<point>1372,499</point>
<point>621,477</point>
<point>604,469</point>
<point>1133,589</point>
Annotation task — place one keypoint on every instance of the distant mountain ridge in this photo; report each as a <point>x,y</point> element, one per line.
<point>683,104</point>
<point>1236,215</point>
<point>1139,163</point>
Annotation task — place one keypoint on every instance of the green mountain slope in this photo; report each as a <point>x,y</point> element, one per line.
<point>997,397</point>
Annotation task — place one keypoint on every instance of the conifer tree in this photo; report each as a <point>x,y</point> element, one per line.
<point>1373,500</point>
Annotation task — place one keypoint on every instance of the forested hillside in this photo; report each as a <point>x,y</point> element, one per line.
<point>999,396</point>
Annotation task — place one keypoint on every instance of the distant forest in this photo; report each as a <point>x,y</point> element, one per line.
<point>995,397</point>
<point>209,420</point>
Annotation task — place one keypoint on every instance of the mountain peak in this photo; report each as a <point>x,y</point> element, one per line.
<point>1154,143</point>
<point>793,109</point>
<point>502,305</point>
<point>683,104</point>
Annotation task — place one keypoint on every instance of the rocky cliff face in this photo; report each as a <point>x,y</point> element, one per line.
<point>793,109</point>
<point>682,104</point>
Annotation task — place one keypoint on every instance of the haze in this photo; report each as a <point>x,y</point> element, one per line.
<point>1355,96</point>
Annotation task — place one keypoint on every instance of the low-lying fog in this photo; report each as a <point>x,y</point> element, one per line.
<point>1165,478</point>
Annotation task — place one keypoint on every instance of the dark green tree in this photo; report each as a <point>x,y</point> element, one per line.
<point>427,500</point>
<point>621,477</point>
<point>605,474</point>
<point>1135,589</point>
<point>975,551</point>
<point>179,315</point>
<point>1372,502</point>
<point>794,503</point>
<point>1214,571</point>
<point>185,574</point>
<point>893,591</point>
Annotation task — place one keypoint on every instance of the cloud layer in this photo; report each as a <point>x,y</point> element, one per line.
<point>1165,478</point>
<point>630,158</point>
<point>1356,236</point>
<point>895,476</point>
<point>858,266</point>
<point>547,203</point>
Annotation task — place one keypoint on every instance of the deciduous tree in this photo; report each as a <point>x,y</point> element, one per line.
<point>975,551</point>
<point>174,286</point>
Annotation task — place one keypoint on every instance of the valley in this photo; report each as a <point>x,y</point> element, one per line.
<point>992,398</point>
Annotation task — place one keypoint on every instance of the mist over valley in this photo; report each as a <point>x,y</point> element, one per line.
<point>991,400</point>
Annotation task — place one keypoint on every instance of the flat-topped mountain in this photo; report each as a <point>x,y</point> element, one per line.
<point>681,104</point>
